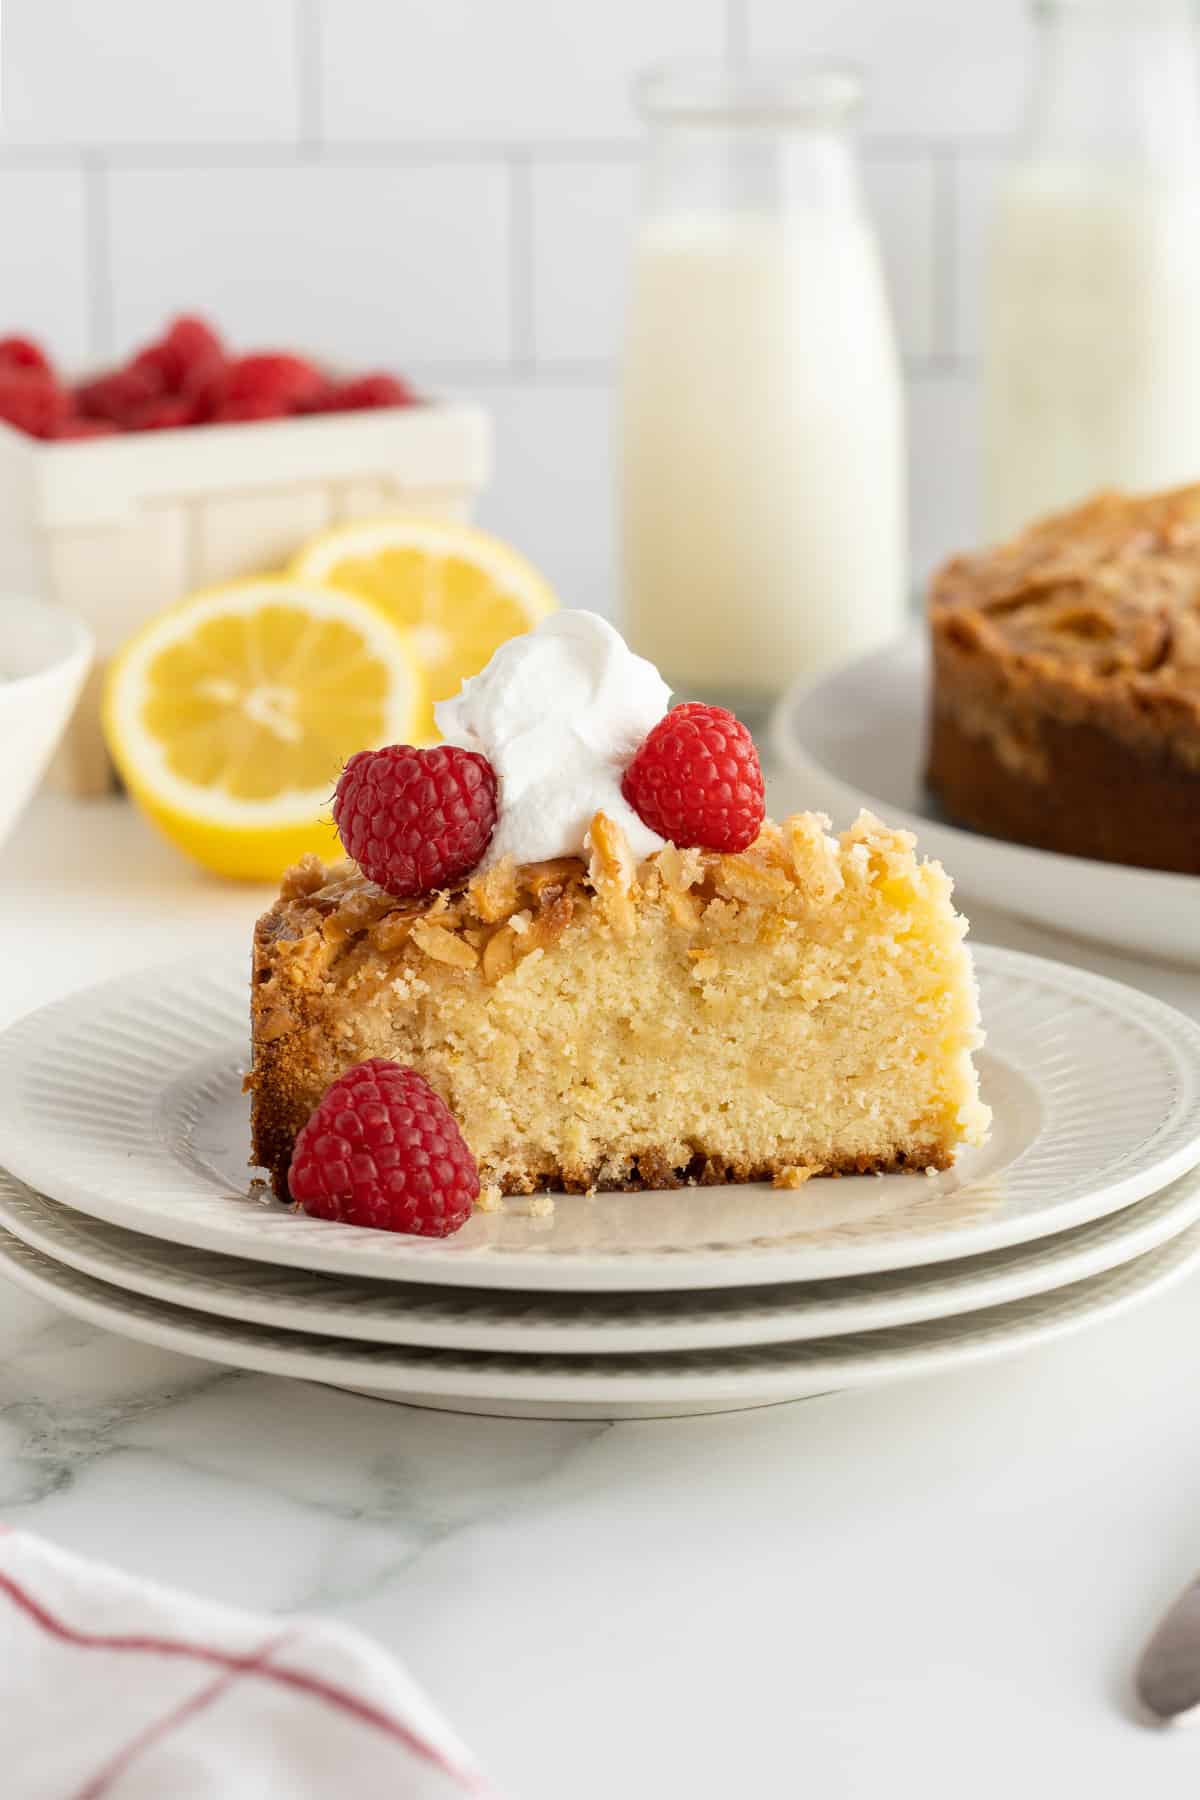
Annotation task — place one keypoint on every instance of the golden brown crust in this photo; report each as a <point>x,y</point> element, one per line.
<point>1069,659</point>
<point>654,1170</point>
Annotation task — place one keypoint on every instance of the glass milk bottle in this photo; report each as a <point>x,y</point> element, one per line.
<point>762,452</point>
<point>1092,350</point>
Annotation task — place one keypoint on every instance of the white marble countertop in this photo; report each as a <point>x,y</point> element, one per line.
<point>936,1588</point>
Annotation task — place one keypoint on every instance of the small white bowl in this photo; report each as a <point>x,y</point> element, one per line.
<point>45,654</point>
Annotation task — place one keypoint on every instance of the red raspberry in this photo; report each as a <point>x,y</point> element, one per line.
<point>23,353</point>
<point>229,412</point>
<point>120,394</point>
<point>191,347</point>
<point>31,403</point>
<point>75,427</point>
<point>697,781</point>
<point>416,820</point>
<point>165,414</point>
<point>365,392</point>
<point>290,381</point>
<point>383,1149</point>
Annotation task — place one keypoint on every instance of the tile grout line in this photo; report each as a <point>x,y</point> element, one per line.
<point>97,225</point>
<point>411,153</point>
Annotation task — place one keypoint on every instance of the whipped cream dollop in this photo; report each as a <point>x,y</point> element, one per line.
<point>559,714</point>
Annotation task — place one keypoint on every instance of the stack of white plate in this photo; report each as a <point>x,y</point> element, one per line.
<point>130,1204</point>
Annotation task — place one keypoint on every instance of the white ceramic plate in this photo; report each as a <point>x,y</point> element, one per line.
<point>125,1102</point>
<point>857,738</point>
<point>585,1324</point>
<point>613,1387</point>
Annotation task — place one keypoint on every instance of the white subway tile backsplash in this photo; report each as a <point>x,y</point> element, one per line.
<point>553,493</point>
<point>584,218</point>
<point>498,70</point>
<point>932,67</point>
<point>943,463</point>
<point>450,187</point>
<point>101,72</point>
<point>43,225</point>
<point>401,266</point>
<point>900,195</point>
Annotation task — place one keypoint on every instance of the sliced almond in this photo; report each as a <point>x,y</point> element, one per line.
<point>683,908</point>
<point>443,946</point>
<point>499,955</point>
<point>813,857</point>
<point>680,869</point>
<point>748,879</point>
<point>493,895</point>
<point>611,872</point>
<point>391,932</point>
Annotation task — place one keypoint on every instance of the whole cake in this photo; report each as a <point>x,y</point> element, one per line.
<point>1066,683</point>
<point>602,1007</point>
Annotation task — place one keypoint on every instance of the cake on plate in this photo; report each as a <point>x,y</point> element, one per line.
<point>1066,683</point>
<point>600,1005</point>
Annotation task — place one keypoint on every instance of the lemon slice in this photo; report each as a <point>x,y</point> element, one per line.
<point>230,716</point>
<point>459,593</point>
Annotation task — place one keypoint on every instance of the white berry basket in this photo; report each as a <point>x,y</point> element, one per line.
<point>116,528</point>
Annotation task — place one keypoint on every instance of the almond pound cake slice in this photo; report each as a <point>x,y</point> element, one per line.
<point>806,1006</point>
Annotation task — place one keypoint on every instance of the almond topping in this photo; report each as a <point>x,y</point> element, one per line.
<point>746,878</point>
<point>550,924</point>
<point>499,955</point>
<point>680,869</point>
<point>391,932</point>
<point>611,873</point>
<point>493,896</point>
<point>304,879</point>
<point>813,860</point>
<point>442,946</point>
<point>536,877</point>
<point>683,908</point>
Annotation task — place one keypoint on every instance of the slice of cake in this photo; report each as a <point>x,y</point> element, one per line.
<point>1066,683</point>
<point>806,1005</point>
<point>640,1013</point>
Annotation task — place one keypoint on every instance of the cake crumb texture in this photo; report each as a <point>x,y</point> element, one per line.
<point>805,1007</point>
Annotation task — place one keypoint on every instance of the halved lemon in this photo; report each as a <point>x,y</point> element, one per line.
<point>459,593</point>
<point>230,716</point>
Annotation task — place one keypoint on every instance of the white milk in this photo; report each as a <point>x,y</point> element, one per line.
<point>762,455</point>
<point>1092,372</point>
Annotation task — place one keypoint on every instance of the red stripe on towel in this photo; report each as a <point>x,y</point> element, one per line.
<point>339,1698</point>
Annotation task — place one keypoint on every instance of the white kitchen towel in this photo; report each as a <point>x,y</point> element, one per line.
<point>116,1688</point>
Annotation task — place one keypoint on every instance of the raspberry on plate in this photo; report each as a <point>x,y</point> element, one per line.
<point>697,780</point>
<point>383,1150</point>
<point>416,820</point>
